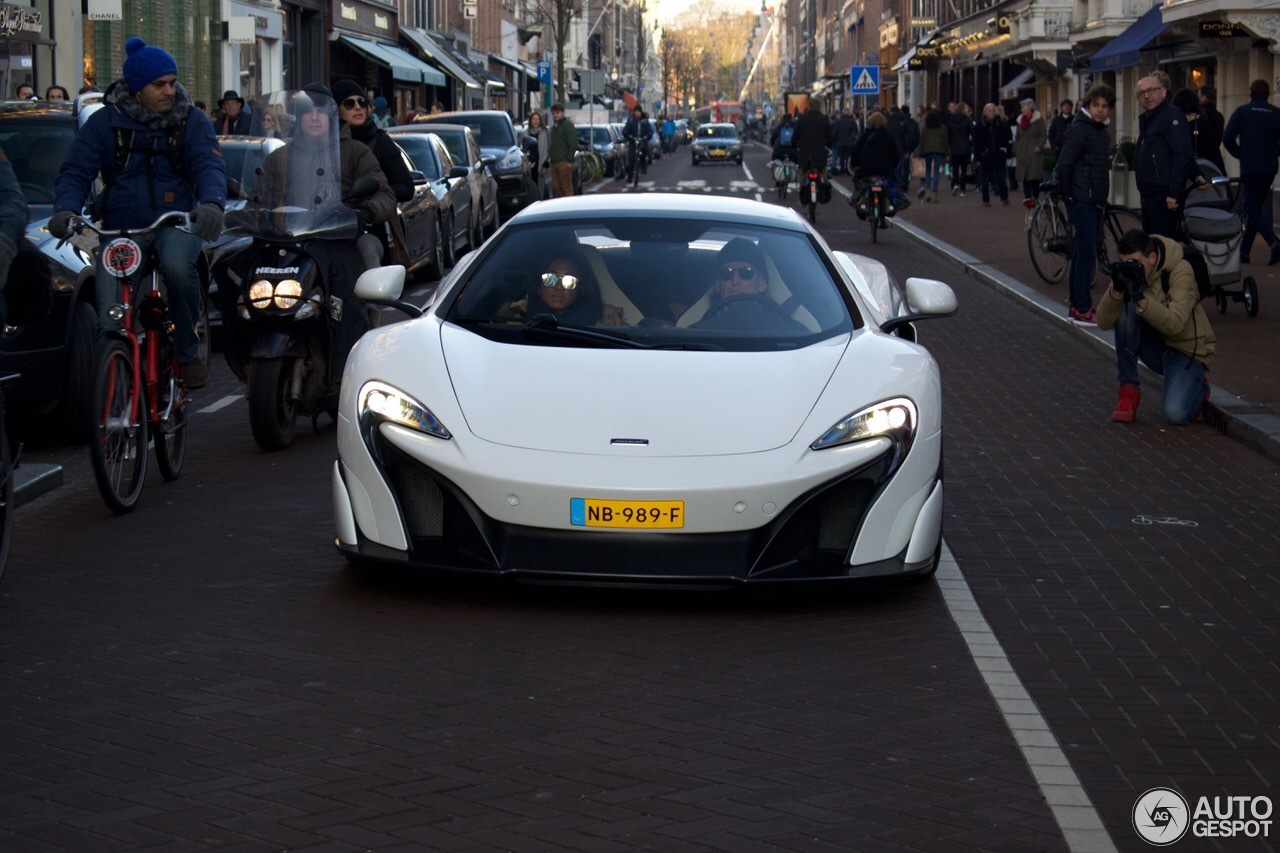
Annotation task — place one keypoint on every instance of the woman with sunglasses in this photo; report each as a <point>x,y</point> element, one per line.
<point>269,124</point>
<point>567,291</point>
<point>356,112</point>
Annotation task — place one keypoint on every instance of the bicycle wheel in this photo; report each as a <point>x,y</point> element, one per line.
<point>1115,223</point>
<point>118,432</point>
<point>170,431</point>
<point>1049,243</point>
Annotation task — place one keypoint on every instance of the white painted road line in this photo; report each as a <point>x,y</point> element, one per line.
<point>1076,816</point>
<point>220,404</point>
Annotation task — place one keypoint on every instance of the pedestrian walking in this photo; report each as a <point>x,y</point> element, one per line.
<point>1211,126</point>
<point>933,148</point>
<point>991,148</point>
<point>959,144</point>
<point>1058,127</point>
<point>1028,151</point>
<point>1163,159</point>
<point>541,171</point>
<point>1252,137</point>
<point>846,131</point>
<point>1083,175</point>
<point>561,149</point>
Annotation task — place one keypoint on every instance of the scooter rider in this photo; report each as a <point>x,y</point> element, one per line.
<point>155,154</point>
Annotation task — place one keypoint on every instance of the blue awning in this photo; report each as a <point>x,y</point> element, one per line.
<point>404,66</point>
<point>1123,50</point>
<point>440,55</point>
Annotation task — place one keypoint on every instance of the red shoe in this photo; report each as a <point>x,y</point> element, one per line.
<point>1127,406</point>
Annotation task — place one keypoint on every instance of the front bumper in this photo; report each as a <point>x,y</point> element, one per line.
<point>815,536</point>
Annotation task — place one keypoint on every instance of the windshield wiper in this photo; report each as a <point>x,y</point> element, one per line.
<point>549,325</point>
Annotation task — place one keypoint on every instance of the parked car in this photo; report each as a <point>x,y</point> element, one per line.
<point>463,151</point>
<point>605,141</point>
<point>50,331</point>
<point>449,183</point>
<point>822,460</point>
<point>717,142</point>
<point>495,133</point>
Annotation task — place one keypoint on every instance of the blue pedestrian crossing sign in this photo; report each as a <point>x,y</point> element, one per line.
<point>864,80</point>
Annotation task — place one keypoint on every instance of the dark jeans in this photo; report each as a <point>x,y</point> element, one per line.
<point>1086,222</point>
<point>1183,375</point>
<point>959,171</point>
<point>1257,201</point>
<point>994,177</point>
<point>1157,218</point>
<point>903,174</point>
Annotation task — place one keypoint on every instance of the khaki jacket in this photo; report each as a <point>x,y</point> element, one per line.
<point>1176,315</point>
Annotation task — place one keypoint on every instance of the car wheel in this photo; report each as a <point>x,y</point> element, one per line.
<point>434,268</point>
<point>497,215</point>
<point>72,413</point>
<point>477,231</point>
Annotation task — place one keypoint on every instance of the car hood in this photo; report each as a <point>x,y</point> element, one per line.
<point>574,400</point>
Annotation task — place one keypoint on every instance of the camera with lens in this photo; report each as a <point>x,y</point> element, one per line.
<point>1129,278</point>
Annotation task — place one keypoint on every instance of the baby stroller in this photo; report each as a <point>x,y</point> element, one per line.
<point>1213,222</point>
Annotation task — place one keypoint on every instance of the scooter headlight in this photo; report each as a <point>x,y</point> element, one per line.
<point>288,292</point>
<point>260,293</point>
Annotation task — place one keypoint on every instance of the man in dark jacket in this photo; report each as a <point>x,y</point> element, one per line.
<point>992,142</point>
<point>13,225</point>
<point>1253,137</point>
<point>562,148</point>
<point>959,145</point>
<point>813,138</point>
<point>1083,174</point>
<point>846,131</point>
<point>237,119</point>
<point>1163,160</point>
<point>173,164</point>
<point>1058,127</point>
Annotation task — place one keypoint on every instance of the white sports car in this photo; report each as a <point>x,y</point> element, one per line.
<point>659,389</point>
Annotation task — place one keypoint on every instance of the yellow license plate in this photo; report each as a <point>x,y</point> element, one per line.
<point>717,153</point>
<point>631,515</point>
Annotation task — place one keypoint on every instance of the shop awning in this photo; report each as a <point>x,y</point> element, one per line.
<point>404,67</point>
<point>440,55</point>
<point>901,64</point>
<point>1022,78</point>
<point>1122,51</point>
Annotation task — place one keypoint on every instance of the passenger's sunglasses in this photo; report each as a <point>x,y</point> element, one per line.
<point>352,103</point>
<point>560,280</point>
<point>744,273</point>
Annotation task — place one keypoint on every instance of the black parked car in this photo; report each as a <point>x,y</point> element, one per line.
<point>464,152</point>
<point>50,333</point>
<point>495,133</point>
<point>459,217</point>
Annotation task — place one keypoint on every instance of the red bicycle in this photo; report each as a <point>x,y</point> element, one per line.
<point>138,391</point>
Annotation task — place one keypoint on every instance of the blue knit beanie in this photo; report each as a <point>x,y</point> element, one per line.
<point>146,63</point>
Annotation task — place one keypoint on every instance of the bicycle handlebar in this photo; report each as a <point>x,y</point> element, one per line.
<point>176,218</point>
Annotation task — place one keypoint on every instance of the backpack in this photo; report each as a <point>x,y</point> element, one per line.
<point>787,134</point>
<point>1199,266</point>
<point>124,149</point>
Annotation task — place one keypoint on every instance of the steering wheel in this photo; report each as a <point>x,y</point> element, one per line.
<point>40,193</point>
<point>759,298</point>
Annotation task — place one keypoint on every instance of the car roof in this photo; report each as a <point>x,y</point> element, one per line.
<point>729,125</point>
<point>665,206</point>
<point>417,127</point>
<point>35,109</point>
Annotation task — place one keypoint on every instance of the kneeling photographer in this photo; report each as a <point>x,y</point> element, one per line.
<point>1154,305</point>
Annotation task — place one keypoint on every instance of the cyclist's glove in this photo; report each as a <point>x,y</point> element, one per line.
<point>7,251</point>
<point>60,224</point>
<point>206,221</point>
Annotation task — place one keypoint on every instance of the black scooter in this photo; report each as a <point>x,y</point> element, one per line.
<point>291,314</point>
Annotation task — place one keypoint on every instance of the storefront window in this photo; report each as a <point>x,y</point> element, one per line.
<point>188,29</point>
<point>251,70</point>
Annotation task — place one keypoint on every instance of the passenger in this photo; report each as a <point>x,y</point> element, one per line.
<point>567,291</point>
<point>738,294</point>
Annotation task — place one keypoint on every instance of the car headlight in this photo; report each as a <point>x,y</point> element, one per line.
<point>894,419</point>
<point>511,160</point>
<point>378,402</point>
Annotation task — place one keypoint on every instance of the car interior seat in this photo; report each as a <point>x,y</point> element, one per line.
<point>610,293</point>
<point>776,290</point>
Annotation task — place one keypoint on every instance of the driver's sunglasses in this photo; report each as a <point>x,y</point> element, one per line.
<point>352,103</point>
<point>744,273</point>
<point>560,280</point>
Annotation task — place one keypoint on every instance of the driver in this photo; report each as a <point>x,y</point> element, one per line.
<point>738,294</point>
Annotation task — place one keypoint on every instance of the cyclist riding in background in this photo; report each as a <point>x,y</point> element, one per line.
<point>814,137</point>
<point>640,130</point>
<point>783,140</point>
<point>876,155</point>
<point>155,154</point>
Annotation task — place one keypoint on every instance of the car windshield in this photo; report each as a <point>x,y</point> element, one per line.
<point>455,142</point>
<point>418,147</point>
<point>663,283</point>
<point>36,147</point>
<point>489,131</point>
<point>599,135</point>
<point>717,131</point>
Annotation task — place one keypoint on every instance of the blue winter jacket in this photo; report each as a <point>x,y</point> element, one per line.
<point>1253,137</point>
<point>147,186</point>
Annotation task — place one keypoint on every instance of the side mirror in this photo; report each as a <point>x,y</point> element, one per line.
<point>926,298</point>
<point>417,177</point>
<point>383,286</point>
<point>488,161</point>
<point>459,172</point>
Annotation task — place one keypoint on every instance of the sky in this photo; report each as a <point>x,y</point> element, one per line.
<point>667,11</point>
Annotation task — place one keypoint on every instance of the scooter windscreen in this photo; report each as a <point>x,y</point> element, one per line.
<point>296,192</point>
